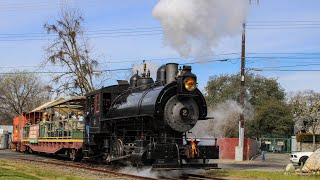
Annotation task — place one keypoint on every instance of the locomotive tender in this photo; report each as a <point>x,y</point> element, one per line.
<point>142,122</point>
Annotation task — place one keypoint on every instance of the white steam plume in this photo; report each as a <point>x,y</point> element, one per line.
<point>225,114</point>
<point>148,172</point>
<point>194,27</point>
<point>145,172</point>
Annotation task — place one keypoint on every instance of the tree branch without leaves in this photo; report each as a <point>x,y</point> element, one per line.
<point>70,49</point>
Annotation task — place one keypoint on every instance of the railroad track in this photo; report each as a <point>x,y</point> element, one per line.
<point>103,169</point>
<point>199,177</point>
<point>191,177</point>
<point>96,169</point>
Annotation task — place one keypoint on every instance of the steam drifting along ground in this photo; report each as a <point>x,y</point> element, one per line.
<point>194,27</point>
<point>147,172</point>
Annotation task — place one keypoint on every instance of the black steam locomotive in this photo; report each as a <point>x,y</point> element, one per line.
<point>146,122</point>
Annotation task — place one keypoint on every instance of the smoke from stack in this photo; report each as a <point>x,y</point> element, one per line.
<point>195,27</point>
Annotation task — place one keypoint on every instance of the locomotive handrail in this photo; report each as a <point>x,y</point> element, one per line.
<point>134,116</point>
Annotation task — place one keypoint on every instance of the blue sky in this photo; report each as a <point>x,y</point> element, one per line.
<point>25,17</point>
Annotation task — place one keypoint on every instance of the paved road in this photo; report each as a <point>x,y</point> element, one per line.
<point>274,162</point>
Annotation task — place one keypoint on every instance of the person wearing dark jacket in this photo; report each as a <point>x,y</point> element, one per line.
<point>87,124</point>
<point>263,149</point>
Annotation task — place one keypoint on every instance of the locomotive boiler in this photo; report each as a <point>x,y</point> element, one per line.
<point>146,122</point>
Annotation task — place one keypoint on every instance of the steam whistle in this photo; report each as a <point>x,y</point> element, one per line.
<point>144,69</point>
<point>144,66</point>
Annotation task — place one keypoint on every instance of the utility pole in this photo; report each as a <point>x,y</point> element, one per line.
<point>242,84</point>
<point>239,148</point>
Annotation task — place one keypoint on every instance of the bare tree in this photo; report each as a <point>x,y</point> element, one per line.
<point>306,109</point>
<point>21,92</point>
<point>70,49</point>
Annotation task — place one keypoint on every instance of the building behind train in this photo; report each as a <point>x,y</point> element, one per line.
<point>5,136</point>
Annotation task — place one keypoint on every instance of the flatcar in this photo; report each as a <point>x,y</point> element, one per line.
<point>52,128</point>
<point>144,122</point>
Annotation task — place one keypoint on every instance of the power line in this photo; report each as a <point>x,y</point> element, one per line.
<point>284,21</point>
<point>297,65</point>
<point>96,32</point>
<point>206,59</point>
<point>111,70</point>
<point>147,31</point>
<point>298,53</point>
<point>284,70</point>
<point>252,58</point>
<point>62,72</point>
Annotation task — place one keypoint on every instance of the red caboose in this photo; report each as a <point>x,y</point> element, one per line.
<point>19,122</point>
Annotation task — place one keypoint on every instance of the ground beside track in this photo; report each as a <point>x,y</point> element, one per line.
<point>274,162</point>
<point>13,168</point>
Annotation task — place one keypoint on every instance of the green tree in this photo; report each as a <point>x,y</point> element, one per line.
<point>264,96</point>
<point>272,119</point>
<point>227,87</point>
<point>306,108</point>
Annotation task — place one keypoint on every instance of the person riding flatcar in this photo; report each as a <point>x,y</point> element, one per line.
<point>80,119</point>
<point>61,129</point>
<point>87,124</point>
<point>73,116</point>
<point>80,116</point>
<point>29,122</point>
<point>45,118</point>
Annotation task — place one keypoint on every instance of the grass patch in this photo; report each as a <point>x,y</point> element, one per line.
<point>276,175</point>
<point>11,169</point>
<point>10,174</point>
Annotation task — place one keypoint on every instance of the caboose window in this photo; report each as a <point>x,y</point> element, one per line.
<point>97,103</point>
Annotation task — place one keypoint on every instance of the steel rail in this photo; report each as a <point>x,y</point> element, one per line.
<point>83,166</point>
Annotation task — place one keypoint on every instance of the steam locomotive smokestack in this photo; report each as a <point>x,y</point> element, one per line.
<point>171,72</point>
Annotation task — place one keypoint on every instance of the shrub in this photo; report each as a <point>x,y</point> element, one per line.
<point>307,137</point>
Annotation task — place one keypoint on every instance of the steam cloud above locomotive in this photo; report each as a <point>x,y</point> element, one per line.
<point>194,28</point>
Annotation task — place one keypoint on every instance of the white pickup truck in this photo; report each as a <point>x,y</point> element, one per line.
<point>299,157</point>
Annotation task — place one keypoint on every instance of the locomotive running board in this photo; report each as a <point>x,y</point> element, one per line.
<point>184,166</point>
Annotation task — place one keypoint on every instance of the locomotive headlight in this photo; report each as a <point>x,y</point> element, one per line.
<point>190,84</point>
